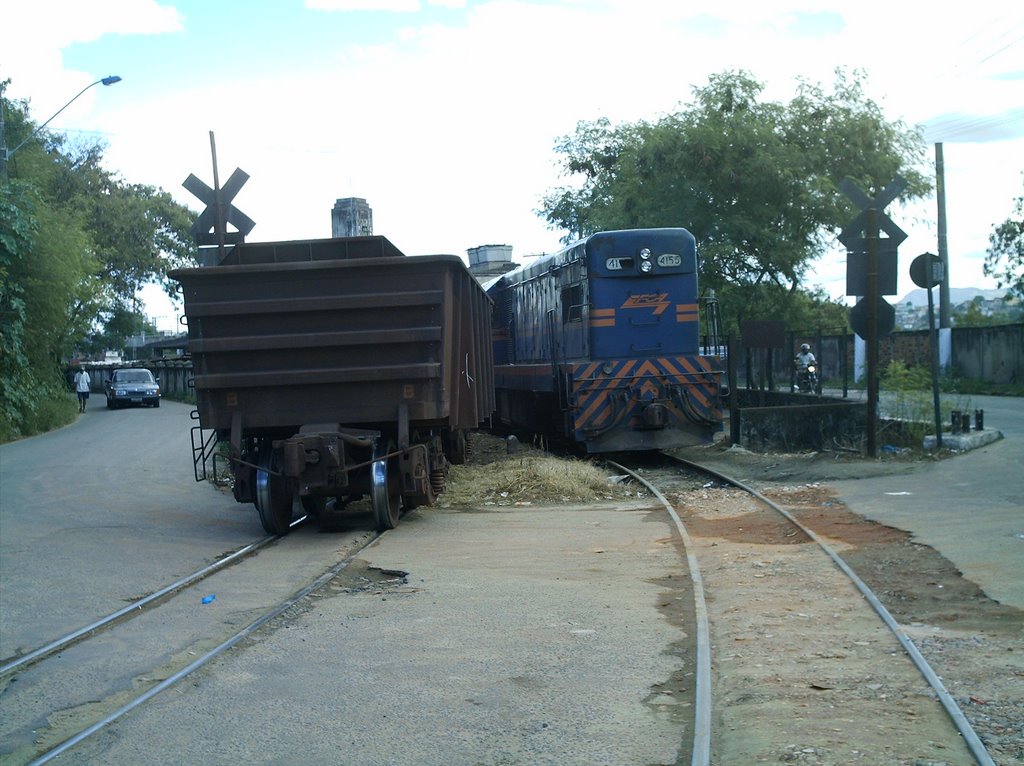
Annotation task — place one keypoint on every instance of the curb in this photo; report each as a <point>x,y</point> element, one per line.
<point>964,442</point>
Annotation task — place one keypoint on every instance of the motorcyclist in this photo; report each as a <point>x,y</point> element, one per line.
<point>805,357</point>
<point>806,379</point>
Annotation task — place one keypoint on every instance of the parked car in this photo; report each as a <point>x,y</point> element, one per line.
<point>132,386</point>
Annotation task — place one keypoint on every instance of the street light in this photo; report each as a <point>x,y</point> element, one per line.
<point>6,155</point>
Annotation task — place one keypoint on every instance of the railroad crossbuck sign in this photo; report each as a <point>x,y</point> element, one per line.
<point>206,229</point>
<point>856,237</point>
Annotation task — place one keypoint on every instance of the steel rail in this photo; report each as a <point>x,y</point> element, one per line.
<point>701,755</point>
<point>245,632</point>
<point>199,574</point>
<point>973,742</point>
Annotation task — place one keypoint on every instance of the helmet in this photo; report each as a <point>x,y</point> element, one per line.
<point>805,348</point>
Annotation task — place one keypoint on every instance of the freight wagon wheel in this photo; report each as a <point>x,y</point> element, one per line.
<point>385,492</point>
<point>273,493</point>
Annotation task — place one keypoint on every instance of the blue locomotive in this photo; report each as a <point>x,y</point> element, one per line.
<point>599,344</point>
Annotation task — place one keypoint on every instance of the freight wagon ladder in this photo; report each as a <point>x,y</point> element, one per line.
<point>204,449</point>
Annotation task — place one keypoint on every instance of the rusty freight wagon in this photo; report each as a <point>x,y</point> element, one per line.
<point>337,368</point>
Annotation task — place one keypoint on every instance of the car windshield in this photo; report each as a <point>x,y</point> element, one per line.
<point>133,376</point>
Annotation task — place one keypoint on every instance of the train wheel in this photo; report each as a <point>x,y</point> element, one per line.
<point>386,492</point>
<point>415,501</point>
<point>274,495</point>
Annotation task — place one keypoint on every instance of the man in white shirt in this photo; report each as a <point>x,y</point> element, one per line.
<point>805,357</point>
<point>82,381</point>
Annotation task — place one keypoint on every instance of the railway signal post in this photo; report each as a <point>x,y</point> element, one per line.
<point>871,273</point>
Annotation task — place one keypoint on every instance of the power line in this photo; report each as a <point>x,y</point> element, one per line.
<point>1009,124</point>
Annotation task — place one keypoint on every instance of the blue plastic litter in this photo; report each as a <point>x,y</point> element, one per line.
<point>890,448</point>
<point>208,599</point>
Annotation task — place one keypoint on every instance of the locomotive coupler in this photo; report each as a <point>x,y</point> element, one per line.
<point>654,416</point>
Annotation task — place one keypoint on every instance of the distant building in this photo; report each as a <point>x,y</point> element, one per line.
<point>488,261</point>
<point>351,217</point>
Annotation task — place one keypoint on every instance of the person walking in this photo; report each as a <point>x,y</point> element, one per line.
<point>82,382</point>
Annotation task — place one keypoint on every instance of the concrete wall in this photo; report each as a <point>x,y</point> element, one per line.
<point>767,422</point>
<point>990,354</point>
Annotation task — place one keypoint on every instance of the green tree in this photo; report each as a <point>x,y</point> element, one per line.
<point>756,182</point>
<point>973,315</point>
<point>76,243</point>
<point>17,229</point>
<point>1005,257</point>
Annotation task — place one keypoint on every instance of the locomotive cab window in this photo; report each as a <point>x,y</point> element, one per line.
<point>572,303</point>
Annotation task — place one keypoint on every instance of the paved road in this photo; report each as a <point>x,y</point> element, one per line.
<point>112,493</point>
<point>522,636</point>
<point>970,508</point>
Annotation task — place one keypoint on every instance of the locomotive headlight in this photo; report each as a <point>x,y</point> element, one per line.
<point>645,254</point>
<point>646,266</point>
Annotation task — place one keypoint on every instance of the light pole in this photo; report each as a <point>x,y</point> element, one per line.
<point>6,155</point>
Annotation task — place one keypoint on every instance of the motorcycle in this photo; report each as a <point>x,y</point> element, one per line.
<point>807,378</point>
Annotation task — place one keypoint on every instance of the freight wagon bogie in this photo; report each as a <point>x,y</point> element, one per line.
<point>326,465</point>
<point>335,378</point>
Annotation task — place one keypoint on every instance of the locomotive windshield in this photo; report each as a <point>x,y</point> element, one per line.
<point>649,252</point>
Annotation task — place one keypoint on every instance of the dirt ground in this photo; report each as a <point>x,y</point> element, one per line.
<point>786,654</point>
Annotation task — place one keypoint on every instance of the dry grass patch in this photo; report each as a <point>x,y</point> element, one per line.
<point>528,479</point>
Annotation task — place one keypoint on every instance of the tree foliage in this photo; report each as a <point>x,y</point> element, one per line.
<point>973,315</point>
<point>1005,257</point>
<point>76,244</point>
<point>755,181</point>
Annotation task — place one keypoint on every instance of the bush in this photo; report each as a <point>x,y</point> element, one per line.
<point>54,411</point>
<point>49,410</point>
<point>899,377</point>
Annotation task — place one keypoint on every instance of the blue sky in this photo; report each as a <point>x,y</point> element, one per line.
<point>443,114</point>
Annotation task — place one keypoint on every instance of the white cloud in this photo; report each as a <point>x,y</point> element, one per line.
<point>394,6</point>
<point>32,51</point>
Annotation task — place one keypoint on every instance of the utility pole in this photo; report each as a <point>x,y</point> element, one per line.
<point>3,141</point>
<point>940,198</point>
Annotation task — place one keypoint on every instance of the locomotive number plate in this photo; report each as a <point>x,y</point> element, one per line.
<point>668,260</point>
<point>618,264</point>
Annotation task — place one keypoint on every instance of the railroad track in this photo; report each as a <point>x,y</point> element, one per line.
<point>851,691</point>
<point>82,682</point>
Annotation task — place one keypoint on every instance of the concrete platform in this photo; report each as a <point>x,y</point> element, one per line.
<point>963,442</point>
